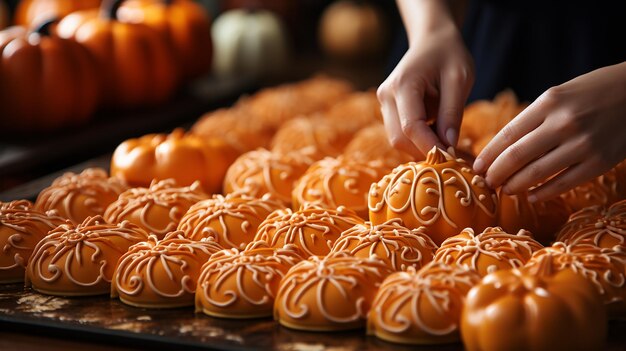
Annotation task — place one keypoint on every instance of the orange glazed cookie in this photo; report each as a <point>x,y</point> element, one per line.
<point>261,171</point>
<point>231,220</point>
<point>601,191</point>
<point>596,225</point>
<point>329,293</point>
<point>355,111</point>
<point>21,228</point>
<point>79,260</point>
<point>395,244</point>
<point>78,196</point>
<point>334,182</point>
<point>525,310</point>
<point>161,274</point>
<point>157,209</point>
<point>605,268</point>
<point>312,229</point>
<point>488,251</point>
<point>372,145</point>
<point>442,194</point>
<point>422,307</point>
<point>243,284</point>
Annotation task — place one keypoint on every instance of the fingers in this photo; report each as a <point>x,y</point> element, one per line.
<point>412,118</point>
<point>396,137</point>
<point>455,87</point>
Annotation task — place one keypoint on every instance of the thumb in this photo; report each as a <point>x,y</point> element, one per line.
<point>455,86</point>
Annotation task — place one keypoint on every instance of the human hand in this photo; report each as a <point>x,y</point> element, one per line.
<point>433,79</point>
<point>569,135</point>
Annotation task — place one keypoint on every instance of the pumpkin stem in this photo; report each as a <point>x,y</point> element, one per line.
<point>109,8</point>
<point>44,28</point>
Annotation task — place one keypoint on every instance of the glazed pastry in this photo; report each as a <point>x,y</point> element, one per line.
<point>489,251</point>
<point>442,194</point>
<point>542,219</point>
<point>596,225</point>
<point>392,242</point>
<point>355,111</point>
<point>329,293</point>
<point>334,182</point>
<point>78,196</point>
<point>422,307</point>
<point>314,136</point>
<point>372,145</point>
<point>161,274</point>
<point>261,171</point>
<point>157,209</point>
<point>601,191</point>
<point>21,228</point>
<point>312,229</point>
<point>231,220</point>
<point>243,284</point>
<point>535,311</point>
<point>605,268</point>
<point>79,260</point>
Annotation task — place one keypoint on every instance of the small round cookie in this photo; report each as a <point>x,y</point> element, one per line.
<point>312,229</point>
<point>261,171</point>
<point>79,260</point>
<point>372,145</point>
<point>423,307</point>
<point>355,111</point>
<point>157,209</point>
<point>596,225</point>
<point>21,228</point>
<point>489,251</point>
<point>78,196</point>
<point>161,274</point>
<point>392,242</point>
<point>334,182</point>
<point>231,220</point>
<point>314,136</point>
<point>243,284</point>
<point>442,194</point>
<point>329,293</point>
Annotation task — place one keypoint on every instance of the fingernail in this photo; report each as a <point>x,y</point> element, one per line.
<point>479,165</point>
<point>532,198</point>
<point>451,135</point>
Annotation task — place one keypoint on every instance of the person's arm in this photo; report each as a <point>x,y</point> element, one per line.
<point>433,79</point>
<point>572,133</point>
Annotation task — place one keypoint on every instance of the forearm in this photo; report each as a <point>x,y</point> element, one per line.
<point>422,16</point>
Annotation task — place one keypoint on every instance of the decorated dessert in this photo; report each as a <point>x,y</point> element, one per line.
<point>600,191</point>
<point>243,284</point>
<point>392,242</point>
<point>231,220</point>
<point>334,182</point>
<point>421,307</point>
<point>78,196</point>
<point>329,293</point>
<point>261,171</point>
<point>371,145</point>
<point>533,310</point>
<point>161,274</point>
<point>79,260</point>
<point>442,194</point>
<point>157,209</point>
<point>489,251</point>
<point>312,229</point>
<point>355,111</point>
<point>21,228</point>
<point>596,225</point>
<point>314,136</point>
<point>186,158</point>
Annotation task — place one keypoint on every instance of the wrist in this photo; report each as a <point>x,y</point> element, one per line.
<point>423,18</point>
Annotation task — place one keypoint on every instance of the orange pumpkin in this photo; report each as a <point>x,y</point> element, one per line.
<point>185,23</point>
<point>46,82</point>
<point>183,157</point>
<point>33,12</point>
<point>136,64</point>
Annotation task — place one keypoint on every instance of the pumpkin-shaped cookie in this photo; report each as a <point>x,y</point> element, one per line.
<point>596,225</point>
<point>372,145</point>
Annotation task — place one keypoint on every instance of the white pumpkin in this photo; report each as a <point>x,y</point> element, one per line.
<point>249,42</point>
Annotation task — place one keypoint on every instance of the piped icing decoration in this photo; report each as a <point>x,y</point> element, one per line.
<point>261,171</point>
<point>421,307</point>
<point>604,267</point>
<point>77,260</point>
<point>371,145</point>
<point>231,220</point>
<point>21,228</point>
<point>489,251</point>
<point>391,241</point>
<point>312,229</point>
<point>162,274</point>
<point>329,293</point>
<point>596,225</point>
<point>334,182</point>
<point>314,136</point>
<point>243,284</point>
<point>442,194</point>
<point>157,209</point>
<point>601,191</point>
<point>78,196</point>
